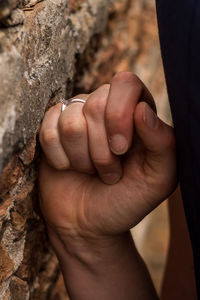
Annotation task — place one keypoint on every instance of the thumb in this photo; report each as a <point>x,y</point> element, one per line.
<point>157,138</point>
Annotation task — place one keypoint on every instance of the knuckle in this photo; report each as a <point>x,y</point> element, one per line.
<point>105,87</point>
<point>101,93</point>
<point>49,137</point>
<point>125,76</point>
<point>72,128</point>
<point>137,83</point>
<point>129,77</point>
<point>95,108</point>
<point>114,116</point>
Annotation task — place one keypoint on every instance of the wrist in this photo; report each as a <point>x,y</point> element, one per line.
<point>91,250</point>
<point>103,268</point>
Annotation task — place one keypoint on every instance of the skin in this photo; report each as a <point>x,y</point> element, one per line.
<point>106,165</point>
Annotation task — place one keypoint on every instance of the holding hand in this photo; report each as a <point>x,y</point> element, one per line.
<point>84,145</point>
<point>107,163</point>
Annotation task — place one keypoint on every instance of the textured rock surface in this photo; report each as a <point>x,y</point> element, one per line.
<point>38,55</point>
<point>47,49</point>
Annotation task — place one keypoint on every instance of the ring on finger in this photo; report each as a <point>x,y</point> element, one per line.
<point>66,103</point>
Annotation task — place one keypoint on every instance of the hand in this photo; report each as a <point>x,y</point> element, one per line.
<point>106,163</point>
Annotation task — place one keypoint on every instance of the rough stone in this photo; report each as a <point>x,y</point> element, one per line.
<point>10,175</point>
<point>6,264</point>
<point>16,18</point>
<point>18,289</point>
<point>28,153</point>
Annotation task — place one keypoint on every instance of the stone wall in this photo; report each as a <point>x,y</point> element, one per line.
<point>48,49</point>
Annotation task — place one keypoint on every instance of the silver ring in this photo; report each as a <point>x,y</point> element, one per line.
<point>66,103</point>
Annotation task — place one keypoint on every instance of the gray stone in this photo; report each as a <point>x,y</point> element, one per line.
<point>37,58</point>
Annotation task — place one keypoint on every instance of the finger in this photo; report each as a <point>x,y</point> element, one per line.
<point>158,140</point>
<point>106,163</point>
<point>125,92</point>
<point>50,141</point>
<point>74,136</point>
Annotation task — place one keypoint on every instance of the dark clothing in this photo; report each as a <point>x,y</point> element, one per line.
<point>179,27</point>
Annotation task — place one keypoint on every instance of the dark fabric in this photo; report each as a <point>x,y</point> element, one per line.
<point>179,28</point>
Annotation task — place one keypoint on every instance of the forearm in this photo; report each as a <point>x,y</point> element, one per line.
<point>107,269</point>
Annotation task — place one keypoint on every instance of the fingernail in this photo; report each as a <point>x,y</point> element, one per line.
<point>110,178</point>
<point>118,144</point>
<point>150,118</point>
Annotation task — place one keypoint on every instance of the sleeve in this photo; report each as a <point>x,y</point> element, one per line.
<point>179,30</point>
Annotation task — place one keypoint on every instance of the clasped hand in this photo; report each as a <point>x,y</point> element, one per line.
<point>107,163</point>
